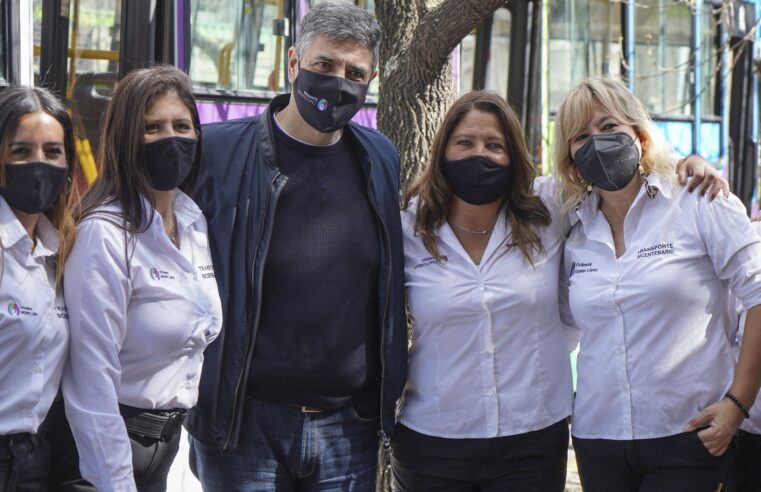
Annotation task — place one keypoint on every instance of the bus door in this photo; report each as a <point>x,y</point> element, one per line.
<point>83,47</point>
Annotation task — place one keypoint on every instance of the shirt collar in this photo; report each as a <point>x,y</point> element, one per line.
<point>588,207</point>
<point>185,210</point>
<point>11,232</point>
<point>48,239</point>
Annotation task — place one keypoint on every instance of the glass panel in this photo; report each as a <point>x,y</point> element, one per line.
<point>3,55</point>
<point>499,53</point>
<point>368,5</point>
<point>662,56</point>
<point>234,45</point>
<point>93,68</point>
<point>584,40</point>
<point>467,62</point>
<point>36,36</point>
<point>709,60</point>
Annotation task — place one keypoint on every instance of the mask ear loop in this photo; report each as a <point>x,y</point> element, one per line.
<point>650,189</point>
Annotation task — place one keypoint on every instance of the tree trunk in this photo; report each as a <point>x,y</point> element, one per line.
<point>417,84</point>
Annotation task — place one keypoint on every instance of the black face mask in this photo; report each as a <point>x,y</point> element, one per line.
<point>476,179</point>
<point>168,161</point>
<point>32,187</point>
<point>326,102</point>
<point>608,160</point>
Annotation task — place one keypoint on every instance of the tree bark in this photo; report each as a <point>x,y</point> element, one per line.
<point>417,84</point>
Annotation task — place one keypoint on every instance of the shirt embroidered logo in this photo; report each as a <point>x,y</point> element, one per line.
<point>16,309</point>
<point>13,309</point>
<point>656,250</point>
<point>581,267</point>
<point>430,260</point>
<point>155,275</point>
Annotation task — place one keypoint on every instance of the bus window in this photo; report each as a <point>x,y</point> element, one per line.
<point>499,53</point>
<point>91,29</point>
<point>485,55</point>
<point>709,50</point>
<point>584,40</point>
<point>234,44</point>
<point>662,56</point>
<point>3,41</point>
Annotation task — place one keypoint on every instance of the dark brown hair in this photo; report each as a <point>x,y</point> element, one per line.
<point>122,175</point>
<point>524,211</point>
<point>16,102</point>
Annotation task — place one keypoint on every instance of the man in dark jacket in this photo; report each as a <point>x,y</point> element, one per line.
<point>303,216</point>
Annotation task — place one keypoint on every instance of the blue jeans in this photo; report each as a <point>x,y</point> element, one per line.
<point>282,449</point>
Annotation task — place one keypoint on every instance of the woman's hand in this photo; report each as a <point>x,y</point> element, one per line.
<point>703,175</point>
<point>721,421</point>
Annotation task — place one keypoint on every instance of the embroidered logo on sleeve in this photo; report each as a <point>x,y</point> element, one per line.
<point>656,250</point>
<point>430,260</point>
<point>579,267</point>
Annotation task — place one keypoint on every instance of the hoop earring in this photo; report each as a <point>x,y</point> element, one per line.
<point>68,186</point>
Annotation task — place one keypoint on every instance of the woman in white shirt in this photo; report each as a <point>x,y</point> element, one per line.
<point>489,380</point>
<point>36,232</point>
<point>140,289</point>
<point>658,396</point>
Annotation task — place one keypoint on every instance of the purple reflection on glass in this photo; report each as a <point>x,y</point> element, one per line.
<point>211,111</point>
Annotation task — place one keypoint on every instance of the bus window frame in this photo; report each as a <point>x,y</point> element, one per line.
<point>11,38</point>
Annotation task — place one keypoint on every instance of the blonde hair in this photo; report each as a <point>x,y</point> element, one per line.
<point>614,98</point>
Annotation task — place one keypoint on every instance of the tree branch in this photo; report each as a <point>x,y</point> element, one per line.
<point>443,28</point>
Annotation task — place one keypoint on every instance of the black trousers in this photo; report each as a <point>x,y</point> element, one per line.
<point>531,462</point>
<point>24,463</point>
<point>678,463</point>
<point>747,462</point>
<point>151,458</point>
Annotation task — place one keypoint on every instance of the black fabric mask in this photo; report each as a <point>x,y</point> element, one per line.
<point>608,160</point>
<point>326,102</point>
<point>32,187</point>
<point>477,179</point>
<point>168,161</point>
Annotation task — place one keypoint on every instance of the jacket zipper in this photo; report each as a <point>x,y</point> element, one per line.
<point>382,433</point>
<point>237,405</point>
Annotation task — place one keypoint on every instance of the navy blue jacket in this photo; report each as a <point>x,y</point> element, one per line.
<point>238,191</point>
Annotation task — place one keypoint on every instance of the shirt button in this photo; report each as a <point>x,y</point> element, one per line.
<point>490,349</point>
<point>490,393</point>
<point>187,384</point>
<point>37,369</point>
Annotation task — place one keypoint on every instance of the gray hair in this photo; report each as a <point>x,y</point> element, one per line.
<point>339,21</point>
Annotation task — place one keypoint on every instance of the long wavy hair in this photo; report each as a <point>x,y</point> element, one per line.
<point>16,102</point>
<point>122,174</point>
<point>524,211</point>
<point>574,114</point>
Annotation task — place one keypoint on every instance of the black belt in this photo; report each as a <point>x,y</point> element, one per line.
<point>8,439</point>
<point>154,424</point>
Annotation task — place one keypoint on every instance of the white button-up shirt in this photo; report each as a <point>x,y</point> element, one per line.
<point>137,337</point>
<point>752,424</point>
<point>489,356</point>
<point>34,330</point>
<point>655,323</point>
